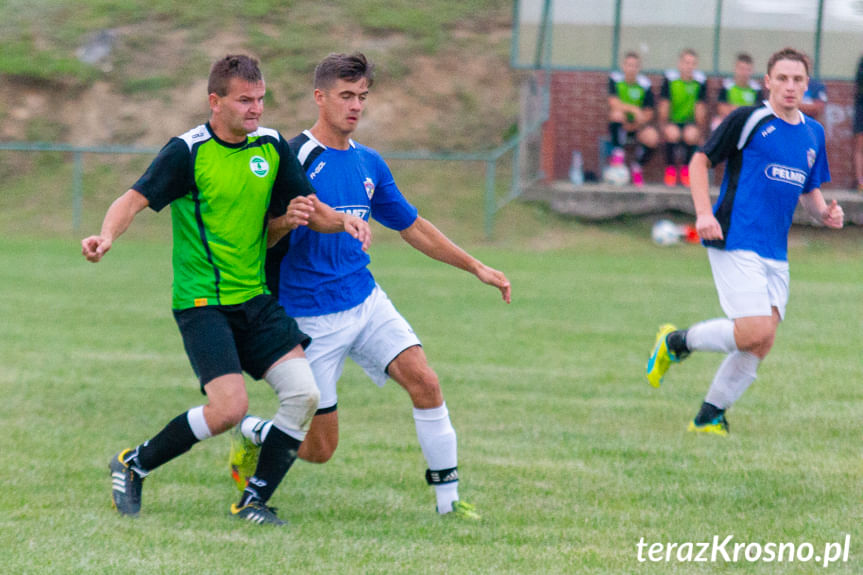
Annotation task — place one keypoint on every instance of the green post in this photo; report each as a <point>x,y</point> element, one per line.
<point>77,190</point>
<point>490,200</point>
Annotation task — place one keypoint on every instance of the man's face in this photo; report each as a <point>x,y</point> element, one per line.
<point>239,111</point>
<point>686,66</point>
<point>787,82</point>
<point>342,104</point>
<point>742,73</point>
<point>631,67</point>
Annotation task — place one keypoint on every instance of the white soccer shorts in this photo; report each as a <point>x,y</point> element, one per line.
<point>372,334</point>
<point>748,284</point>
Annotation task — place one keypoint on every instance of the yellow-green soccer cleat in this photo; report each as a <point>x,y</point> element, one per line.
<point>243,459</point>
<point>463,510</point>
<point>660,358</point>
<point>718,426</point>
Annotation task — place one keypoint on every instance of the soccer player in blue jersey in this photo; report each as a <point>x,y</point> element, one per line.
<point>775,157</point>
<point>325,283</point>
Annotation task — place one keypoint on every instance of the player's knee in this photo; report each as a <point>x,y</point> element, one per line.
<point>757,340</point>
<point>224,416</point>
<point>294,384</point>
<point>317,452</point>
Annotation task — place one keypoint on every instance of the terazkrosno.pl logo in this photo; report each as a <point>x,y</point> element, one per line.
<point>259,166</point>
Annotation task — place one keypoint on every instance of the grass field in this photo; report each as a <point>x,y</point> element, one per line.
<point>571,457</point>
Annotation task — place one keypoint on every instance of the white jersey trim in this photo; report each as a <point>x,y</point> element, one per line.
<point>196,135</point>
<point>751,122</point>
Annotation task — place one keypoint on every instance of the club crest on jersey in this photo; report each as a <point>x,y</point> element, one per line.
<point>370,187</point>
<point>785,174</point>
<point>810,157</point>
<point>259,166</point>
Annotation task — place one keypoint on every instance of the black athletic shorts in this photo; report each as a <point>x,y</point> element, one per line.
<point>250,337</point>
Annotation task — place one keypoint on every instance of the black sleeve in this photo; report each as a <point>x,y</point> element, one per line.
<point>648,99</point>
<point>290,182</point>
<point>665,91</point>
<point>723,140</point>
<point>612,87</point>
<point>169,176</point>
<point>702,92</point>
<point>722,96</point>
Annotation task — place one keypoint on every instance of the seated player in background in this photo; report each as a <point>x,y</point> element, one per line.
<point>739,90</point>
<point>631,109</point>
<point>682,115</point>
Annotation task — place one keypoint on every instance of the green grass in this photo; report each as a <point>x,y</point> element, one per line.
<point>567,452</point>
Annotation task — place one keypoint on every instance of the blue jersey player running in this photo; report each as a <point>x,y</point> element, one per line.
<point>775,157</point>
<point>325,283</point>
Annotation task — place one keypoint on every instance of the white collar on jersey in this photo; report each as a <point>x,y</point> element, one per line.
<point>311,138</point>
<point>769,107</point>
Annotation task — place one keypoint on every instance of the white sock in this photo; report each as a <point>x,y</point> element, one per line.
<point>255,429</point>
<point>438,442</point>
<point>733,377</point>
<point>712,335</point>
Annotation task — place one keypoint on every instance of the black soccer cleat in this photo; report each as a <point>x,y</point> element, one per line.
<point>125,485</point>
<point>257,512</point>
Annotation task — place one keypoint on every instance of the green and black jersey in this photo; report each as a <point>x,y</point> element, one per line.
<point>220,195</point>
<point>737,96</point>
<point>683,95</point>
<point>638,93</point>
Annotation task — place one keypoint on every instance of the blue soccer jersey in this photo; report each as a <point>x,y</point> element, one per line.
<point>328,273</point>
<point>770,163</point>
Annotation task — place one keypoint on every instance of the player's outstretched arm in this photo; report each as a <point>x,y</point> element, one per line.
<point>423,236</point>
<point>117,220</point>
<point>832,216</point>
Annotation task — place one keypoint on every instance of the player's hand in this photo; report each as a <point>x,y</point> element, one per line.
<point>94,247</point>
<point>298,213</point>
<point>495,278</point>
<point>708,227</point>
<point>359,229</point>
<point>833,216</point>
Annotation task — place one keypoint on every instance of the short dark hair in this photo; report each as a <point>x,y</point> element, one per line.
<point>350,67</point>
<point>233,66</point>
<point>788,54</point>
<point>688,52</point>
<point>631,54</point>
<point>745,58</point>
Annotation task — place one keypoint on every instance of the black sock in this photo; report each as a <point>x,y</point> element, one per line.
<point>707,413</point>
<point>669,154</point>
<point>690,151</point>
<point>643,154</point>
<point>614,130</point>
<point>676,342</point>
<point>175,439</point>
<point>278,453</point>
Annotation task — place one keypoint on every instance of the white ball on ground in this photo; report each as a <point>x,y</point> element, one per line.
<point>665,233</point>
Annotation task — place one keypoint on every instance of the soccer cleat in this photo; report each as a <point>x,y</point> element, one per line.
<point>684,176</point>
<point>125,485</point>
<point>660,358</point>
<point>243,459</point>
<point>670,176</point>
<point>257,512</point>
<point>719,426</point>
<point>463,510</point>
<point>637,175</point>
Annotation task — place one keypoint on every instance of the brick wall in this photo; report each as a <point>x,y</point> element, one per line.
<point>578,119</point>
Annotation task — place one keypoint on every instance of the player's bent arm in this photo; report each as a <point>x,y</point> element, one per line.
<point>423,236</point>
<point>326,220</point>
<point>117,220</point>
<point>706,225</point>
<point>701,114</point>
<point>831,215</point>
<point>663,111</point>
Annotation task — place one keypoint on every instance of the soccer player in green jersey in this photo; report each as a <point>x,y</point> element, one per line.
<point>739,90</point>
<point>682,115</point>
<point>630,113</point>
<point>224,181</point>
